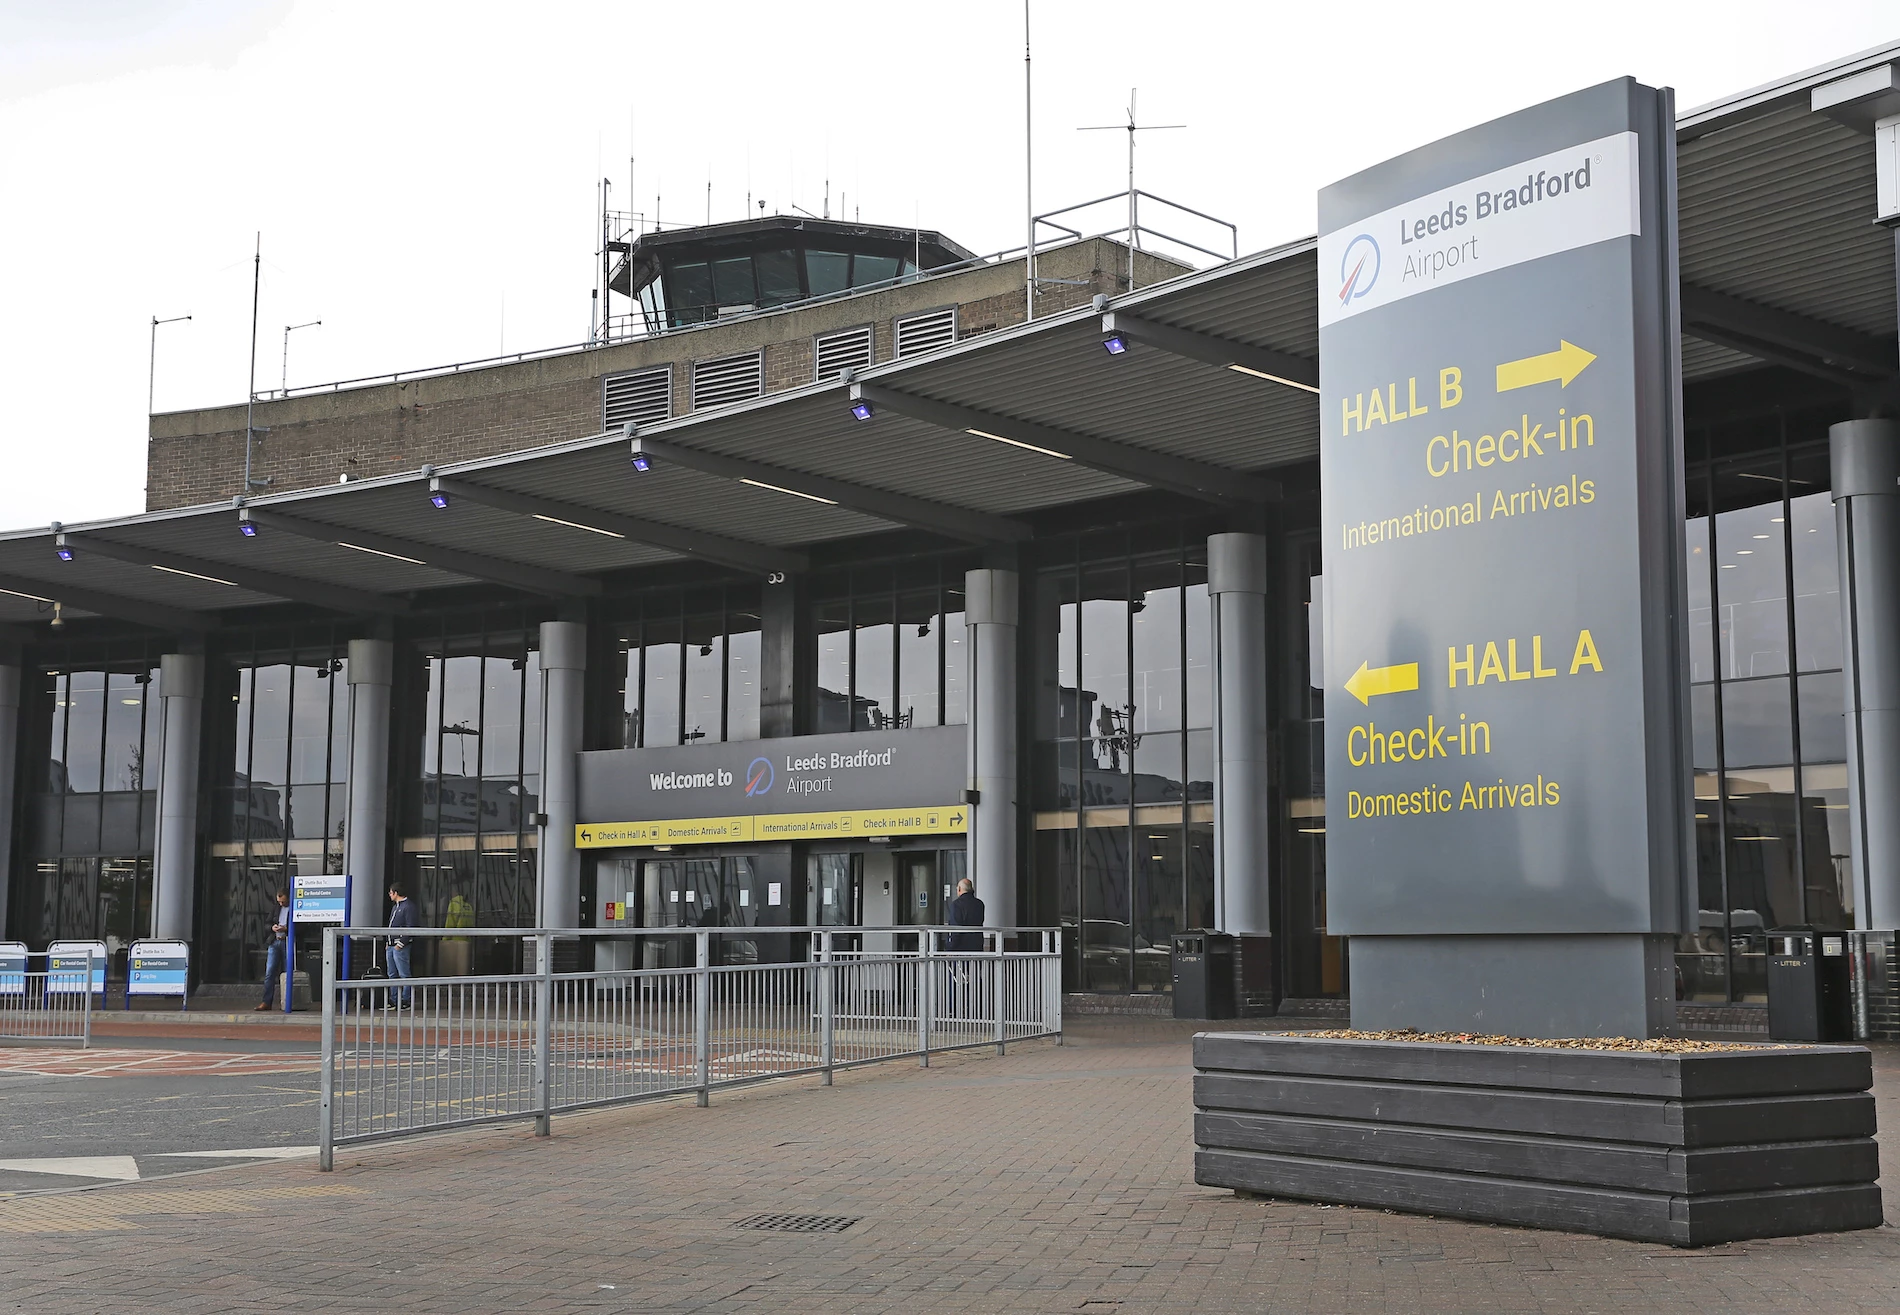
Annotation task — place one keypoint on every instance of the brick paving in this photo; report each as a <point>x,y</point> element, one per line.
<point>1053,1179</point>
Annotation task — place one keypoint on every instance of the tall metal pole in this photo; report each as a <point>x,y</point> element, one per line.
<point>1029,185</point>
<point>250,404</point>
<point>1132,230</point>
<point>151,369</point>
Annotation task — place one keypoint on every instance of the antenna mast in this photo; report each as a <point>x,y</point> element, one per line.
<point>1134,224</point>
<point>1029,182</point>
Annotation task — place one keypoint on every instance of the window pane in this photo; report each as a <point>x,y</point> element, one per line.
<point>1817,582</point>
<point>85,725</point>
<point>1107,941</point>
<point>956,660</point>
<point>1156,623</point>
<point>310,725</point>
<point>1751,583</point>
<point>742,679</point>
<point>873,269</point>
<point>664,674</point>
<point>1103,698</point>
<point>1200,648</point>
<point>1159,777</point>
<point>875,703</point>
<point>501,713</point>
<point>531,736</point>
<point>827,272</point>
<point>630,691</point>
<point>270,727</point>
<point>692,289</point>
<point>778,277</point>
<point>732,281</point>
<point>918,633</point>
<point>1701,612</point>
<point>1160,895</point>
<point>705,676</point>
<point>1756,727</point>
<point>834,666</point>
<point>1823,718</point>
<point>124,764</point>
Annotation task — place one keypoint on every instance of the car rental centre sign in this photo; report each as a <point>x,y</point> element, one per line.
<point>1502,521</point>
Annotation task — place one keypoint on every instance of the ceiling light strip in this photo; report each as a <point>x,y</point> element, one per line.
<point>576,525</point>
<point>1017,442</point>
<point>779,488</point>
<point>208,579</point>
<point>378,552</point>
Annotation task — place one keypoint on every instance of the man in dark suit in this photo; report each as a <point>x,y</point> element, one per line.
<point>966,910</point>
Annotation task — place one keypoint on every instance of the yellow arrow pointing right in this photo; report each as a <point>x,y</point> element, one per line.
<point>1369,681</point>
<point>1564,364</point>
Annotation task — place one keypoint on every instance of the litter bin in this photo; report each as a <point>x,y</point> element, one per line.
<point>1808,990</point>
<point>1204,975</point>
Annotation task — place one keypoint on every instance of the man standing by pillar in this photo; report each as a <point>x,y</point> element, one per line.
<point>990,614</point>
<point>181,686</point>
<point>563,672</point>
<point>372,663</point>
<point>1237,589</point>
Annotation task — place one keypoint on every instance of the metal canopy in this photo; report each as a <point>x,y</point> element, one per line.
<point>1780,262</point>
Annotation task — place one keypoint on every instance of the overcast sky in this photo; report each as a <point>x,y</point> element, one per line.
<point>425,175</point>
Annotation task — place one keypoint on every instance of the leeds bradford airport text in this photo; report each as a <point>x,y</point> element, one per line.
<point>742,638</point>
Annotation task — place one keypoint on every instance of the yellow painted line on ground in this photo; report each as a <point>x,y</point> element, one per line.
<point>99,1212</point>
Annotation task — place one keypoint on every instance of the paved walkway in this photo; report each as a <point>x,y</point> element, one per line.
<point>1054,1179</point>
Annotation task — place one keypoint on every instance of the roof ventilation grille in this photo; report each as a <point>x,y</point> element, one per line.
<point>728,379</point>
<point>644,397</point>
<point>838,352</point>
<point>926,332</point>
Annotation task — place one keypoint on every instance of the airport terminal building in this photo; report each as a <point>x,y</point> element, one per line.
<point>838,576</point>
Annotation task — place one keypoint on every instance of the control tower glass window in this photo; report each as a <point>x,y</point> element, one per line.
<point>827,271</point>
<point>691,293</point>
<point>873,269</point>
<point>778,277</point>
<point>732,281</point>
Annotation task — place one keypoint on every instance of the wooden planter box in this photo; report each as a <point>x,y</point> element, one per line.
<point>1690,1149</point>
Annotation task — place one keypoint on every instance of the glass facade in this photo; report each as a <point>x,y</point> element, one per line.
<point>1123,762</point>
<point>891,647</point>
<point>90,739</point>
<point>689,669</point>
<point>472,730</point>
<point>277,719</point>
<point>1766,699</point>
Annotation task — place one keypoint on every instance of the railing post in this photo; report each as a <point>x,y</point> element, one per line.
<point>926,991</point>
<point>827,1011</point>
<point>326,1082</point>
<point>702,1016</point>
<point>1052,980</point>
<point>996,990</point>
<point>544,1035</point>
<point>85,1035</point>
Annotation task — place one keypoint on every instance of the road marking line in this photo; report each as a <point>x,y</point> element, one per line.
<point>119,1168</point>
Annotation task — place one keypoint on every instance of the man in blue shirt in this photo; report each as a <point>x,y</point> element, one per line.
<point>274,953</point>
<point>403,915</point>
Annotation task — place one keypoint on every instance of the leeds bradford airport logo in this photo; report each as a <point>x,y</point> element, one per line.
<point>1358,268</point>
<point>759,777</point>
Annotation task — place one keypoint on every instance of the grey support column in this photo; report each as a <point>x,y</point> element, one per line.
<point>366,837</point>
<point>1866,462</point>
<point>1237,588</point>
<point>990,614</point>
<point>563,672</point>
<point>9,745</point>
<point>181,692</point>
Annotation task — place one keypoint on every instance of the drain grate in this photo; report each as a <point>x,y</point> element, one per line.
<point>800,1223</point>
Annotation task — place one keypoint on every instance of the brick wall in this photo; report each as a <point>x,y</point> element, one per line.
<point>197,457</point>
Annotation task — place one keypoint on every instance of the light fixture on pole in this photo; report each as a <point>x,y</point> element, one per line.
<point>283,387</point>
<point>151,369</point>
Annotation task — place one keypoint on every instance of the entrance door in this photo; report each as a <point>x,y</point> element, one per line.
<point>921,893</point>
<point>836,882</point>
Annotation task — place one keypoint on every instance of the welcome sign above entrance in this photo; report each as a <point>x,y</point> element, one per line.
<point>807,787</point>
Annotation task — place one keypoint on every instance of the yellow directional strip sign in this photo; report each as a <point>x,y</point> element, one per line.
<point>1369,681</point>
<point>1559,367</point>
<point>950,819</point>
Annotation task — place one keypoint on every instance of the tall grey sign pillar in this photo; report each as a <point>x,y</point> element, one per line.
<point>990,615</point>
<point>1509,821</point>
<point>1866,462</point>
<point>9,744</point>
<point>365,838</point>
<point>1237,588</point>
<point>563,677</point>
<point>181,691</point>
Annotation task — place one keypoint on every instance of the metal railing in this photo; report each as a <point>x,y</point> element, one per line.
<point>663,1013</point>
<point>50,1004</point>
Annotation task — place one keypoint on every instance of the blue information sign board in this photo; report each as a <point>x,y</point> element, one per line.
<point>66,967</point>
<point>157,968</point>
<point>320,900</point>
<point>12,968</point>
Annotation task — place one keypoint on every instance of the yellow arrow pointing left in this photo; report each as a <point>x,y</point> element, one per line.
<point>1369,681</point>
<point>1562,365</point>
